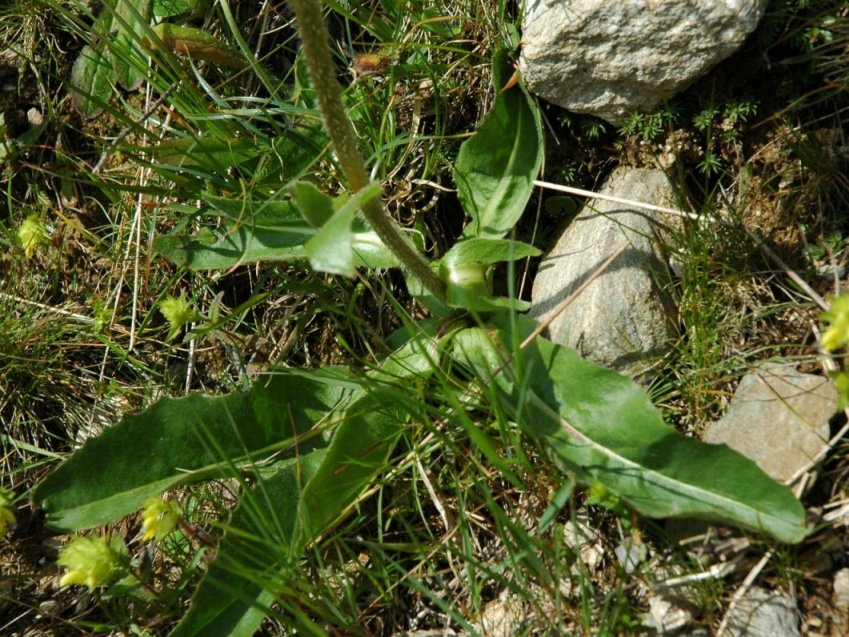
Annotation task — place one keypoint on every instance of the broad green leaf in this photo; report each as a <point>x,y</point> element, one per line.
<point>298,149</point>
<point>464,268</point>
<point>91,80</point>
<point>132,17</point>
<point>176,441</point>
<point>245,243</point>
<point>230,599</point>
<point>254,211</point>
<point>360,449</point>
<point>278,518</point>
<point>332,248</point>
<point>366,435</point>
<point>215,154</point>
<point>496,167</point>
<point>116,58</point>
<point>601,428</point>
<point>196,43</point>
<point>241,245</point>
<point>171,8</point>
<point>369,250</point>
<point>315,206</point>
<point>487,252</point>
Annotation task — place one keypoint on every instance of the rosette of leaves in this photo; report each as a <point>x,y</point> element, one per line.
<point>306,444</point>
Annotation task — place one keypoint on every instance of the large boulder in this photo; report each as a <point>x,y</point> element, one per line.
<point>624,317</point>
<point>609,59</point>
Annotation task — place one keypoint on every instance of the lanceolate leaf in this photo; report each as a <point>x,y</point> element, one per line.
<point>495,168</point>
<point>245,243</point>
<point>178,441</point>
<point>116,58</point>
<point>90,81</point>
<point>230,599</point>
<point>196,43</point>
<point>315,206</point>
<point>285,512</point>
<point>240,245</point>
<point>132,16</point>
<point>601,428</point>
<point>216,154</point>
<point>255,212</point>
<point>367,434</point>
<point>359,450</point>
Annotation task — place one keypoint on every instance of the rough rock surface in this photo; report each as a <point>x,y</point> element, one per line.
<point>778,417</point>
<point>609,59</point>
<point>763,613</point>
<point>841,589</point>
<point>665,617</point>
<point>623,317</point>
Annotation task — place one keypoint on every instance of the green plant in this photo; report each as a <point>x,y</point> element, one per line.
<point>721,127</point>
<point>649,126</point>
<point>303,445</point>
<point>122,56</point>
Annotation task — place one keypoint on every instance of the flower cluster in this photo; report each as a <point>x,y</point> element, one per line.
<point>835,337</point>
<point>89,560</point>
<point>7,513</point>
<point>836,334</point>
<point>159,518</point>
<point>178,312</point>
<point>32,233</point>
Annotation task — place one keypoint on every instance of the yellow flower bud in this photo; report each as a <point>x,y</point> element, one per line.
<point>31,234</point>
<point>837,318</point>
<point>7,513</point>
<point>178,312</point>
<point>88,560</point>
<point>159,518</point>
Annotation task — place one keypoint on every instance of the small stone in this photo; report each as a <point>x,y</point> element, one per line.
<point>623,319</point>
<point>763,613</point>
<point>503,616</point>
<point>664,617</point>
<point>630,554</point>
<point>34,117</point>
<point>47,608</point>
<point>841,589</point>
<point>584,540</point>
<point>778,417</point>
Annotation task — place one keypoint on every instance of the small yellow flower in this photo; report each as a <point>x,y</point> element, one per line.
<point>177,312</point>
<point>31,234</point>
<point>7,513</point>
<point>841,382</point>
<point>837,317</point>
<point>88,560</point>
<point>159,518</point>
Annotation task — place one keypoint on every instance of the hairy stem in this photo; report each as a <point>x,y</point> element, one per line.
<point>315,40</point>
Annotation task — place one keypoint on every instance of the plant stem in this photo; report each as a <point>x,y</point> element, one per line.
<point>315,40</point>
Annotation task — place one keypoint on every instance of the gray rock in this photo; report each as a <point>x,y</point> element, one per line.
<point>665,617</point>
<point>841,589</point>
<point>503,616</point>
<point>609,59</point>
<point>623,317</point>
<point>630,554</point>
<point>778,417</point>
<point>763,613</point>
